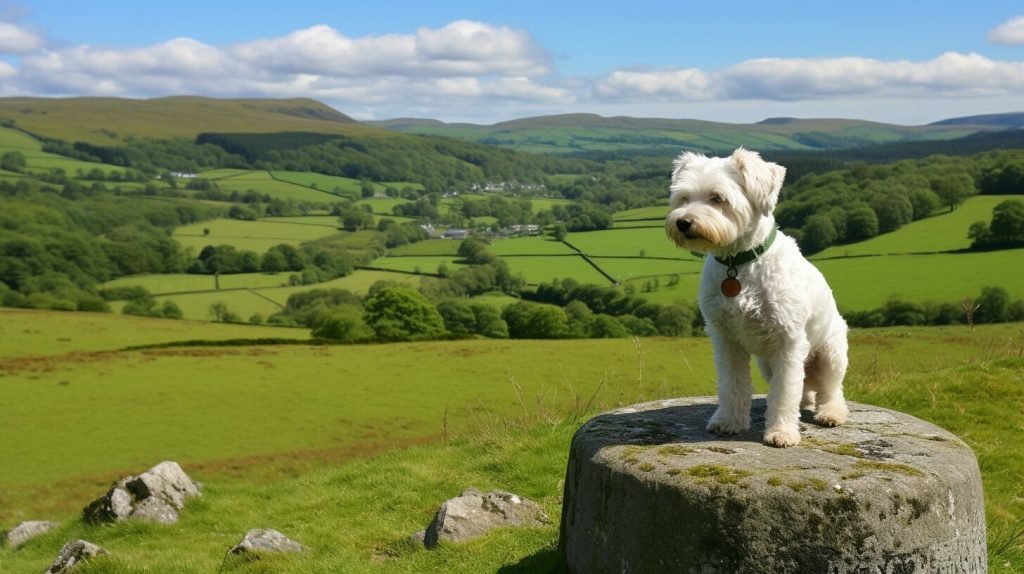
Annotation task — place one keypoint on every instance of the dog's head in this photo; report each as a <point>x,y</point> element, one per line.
<point>717,201</point>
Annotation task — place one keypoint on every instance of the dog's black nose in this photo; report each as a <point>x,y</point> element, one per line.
<point>683,224</point>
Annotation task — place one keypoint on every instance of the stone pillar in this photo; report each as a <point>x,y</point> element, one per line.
<point>647,489</point>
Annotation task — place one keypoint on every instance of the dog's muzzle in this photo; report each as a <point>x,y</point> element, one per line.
<point>685,227</point>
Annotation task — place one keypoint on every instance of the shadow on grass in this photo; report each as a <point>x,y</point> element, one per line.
<point>544,561</point>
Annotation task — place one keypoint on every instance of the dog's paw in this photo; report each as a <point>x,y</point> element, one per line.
<point>782,437</point>
<point>726,425</point>
<point>831,415</point>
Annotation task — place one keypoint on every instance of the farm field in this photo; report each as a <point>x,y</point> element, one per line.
<point>946,231</point>
<point>28,333</point>
<point>315,409</point>
<point>262,182</point>
<point>39,161</point>
<point>159,284</point>
<point>258,236</point>
<point>245,300</point>
<point>625,269</point>
<point>639,242</point>
<point>529,246</point>
<point>439,247</point>
<point>383,205</point>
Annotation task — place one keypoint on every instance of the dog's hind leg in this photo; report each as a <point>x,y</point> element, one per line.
<point>827,370</point>
<point>732,365</point>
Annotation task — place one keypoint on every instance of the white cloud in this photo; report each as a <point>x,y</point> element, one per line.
<point>949,75</point>
<point>15,39</point>
<point>1009,32</point>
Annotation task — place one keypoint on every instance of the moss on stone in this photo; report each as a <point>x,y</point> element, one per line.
<point>717,473</point>
<point>676,450</point>
<point>893,467</point>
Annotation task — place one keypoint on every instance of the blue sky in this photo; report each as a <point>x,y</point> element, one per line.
<point>486,61</point>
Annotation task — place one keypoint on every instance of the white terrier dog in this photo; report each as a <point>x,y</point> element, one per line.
<point>759,296</point>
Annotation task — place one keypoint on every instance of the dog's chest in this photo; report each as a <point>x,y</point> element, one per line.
<point>753,316</point>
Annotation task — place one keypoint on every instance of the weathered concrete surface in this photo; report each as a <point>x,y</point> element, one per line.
<point>647,489</point>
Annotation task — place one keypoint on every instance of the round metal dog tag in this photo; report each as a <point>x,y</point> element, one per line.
<point>731,287</point>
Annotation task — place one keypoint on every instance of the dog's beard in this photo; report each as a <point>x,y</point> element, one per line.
<point>707,232</point>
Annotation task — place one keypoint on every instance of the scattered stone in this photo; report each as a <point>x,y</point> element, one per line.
<point>473,514</point>
<point>648,489</point>
<point>156,495</point>
<point>418,538</point>
<point>72,554</point>
<point>266,540</point>
<point>25,531</point>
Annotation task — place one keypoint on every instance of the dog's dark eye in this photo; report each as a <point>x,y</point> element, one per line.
<point>717,198</point>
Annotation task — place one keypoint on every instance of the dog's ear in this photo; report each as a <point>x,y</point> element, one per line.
<point>761,179</point>
<point>684,159</point>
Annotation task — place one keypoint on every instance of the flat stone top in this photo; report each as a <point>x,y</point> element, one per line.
<point>666,441</point>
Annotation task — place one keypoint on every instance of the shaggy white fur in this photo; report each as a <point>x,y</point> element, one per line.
<point>784,313</point>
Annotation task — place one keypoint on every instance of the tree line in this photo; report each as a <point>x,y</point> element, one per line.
<point>862,201</point>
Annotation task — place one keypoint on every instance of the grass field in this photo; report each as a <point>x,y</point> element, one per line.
<point>625,269</point>
<point>39,161</point>
<point>249,293</point>
<point>529,246</point>
<point>946,231</point>
<point>258,236</point>
<point>315,409</point>
<point>444,247</point>
<point>263,183</point>
<point>183,282</point>
<point>648,241</point>
<point>382,205</point>
<point>28,333</point>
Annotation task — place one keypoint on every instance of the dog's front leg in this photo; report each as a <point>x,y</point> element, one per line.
<point>785,391</point>
<point>732,365</point>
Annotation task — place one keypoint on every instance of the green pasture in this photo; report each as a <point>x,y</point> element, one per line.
<point>261,182</point>
<point>383,205</point>
<point>39,161</point>
<point>658,211</point>
<point>331,221</point>
<point>536,245</point>
<point>158,284</point>
<point>27,333</point>
<point>242,302</point>
<point>267,299</point>
<point>328,183</point>
<point>225,173</point>
<point>445,247</point>
<point>632,242</point>
<point>539,204</point>
<point>945,231</point>
<point>258,236</point>
<point>861,283</point>
<point>625,269</point>
<point>314,409</point>
<point>546,269</point>
<point>417,263</point>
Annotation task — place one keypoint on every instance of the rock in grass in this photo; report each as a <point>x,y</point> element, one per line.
<point>473,514</point>
<point>156,495</point>
<point>25,531</point>
<point>266,540</point>
<point>72,554</point>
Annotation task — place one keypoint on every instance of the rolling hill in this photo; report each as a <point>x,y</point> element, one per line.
<point>115,121</point>
<point>576,133</point>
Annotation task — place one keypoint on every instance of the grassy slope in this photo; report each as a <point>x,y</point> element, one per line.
<point>945,231</point>
<point>258,236</point>
<point>113,121</point>
<point>356,515</point>
<point>39,161</point>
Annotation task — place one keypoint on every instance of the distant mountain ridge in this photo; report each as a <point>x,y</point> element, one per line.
<point>581,133</point>
<point>116,121</point>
